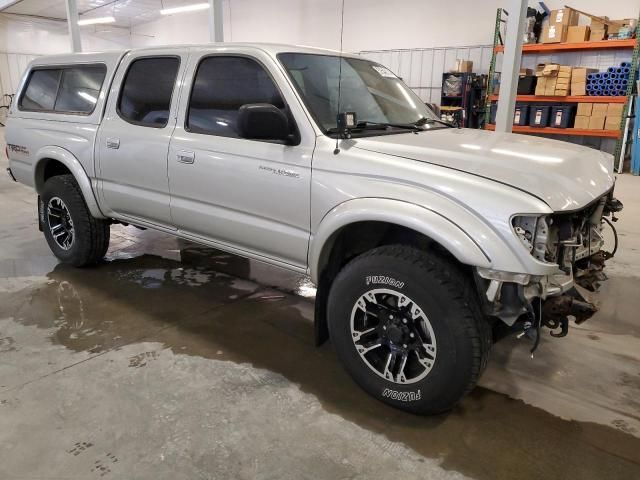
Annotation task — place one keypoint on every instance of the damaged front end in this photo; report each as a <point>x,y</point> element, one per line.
<point>573,242</point>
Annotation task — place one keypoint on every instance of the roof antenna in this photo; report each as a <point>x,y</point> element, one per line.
<point>338,119</point>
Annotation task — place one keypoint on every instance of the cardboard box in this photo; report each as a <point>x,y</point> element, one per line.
<point>615,109</point>
<point>596,122</point>
<point>578,88</point>
<point>612,123</point>
<point>597,25</point>
<point>584,109</point>
<point>550,86</point>
<point>614,28</point>
<point>580,74</point>
<point>464,66</point>
<point>600,109</point>
<point>565,72</point>
<point>598,30</point>
<point>554,34</point>
<point>561,92</point>
<point>581,121</point>
<point>564,81</point>
<point>577,34</point>
<point>564,16</point>
<point>547,70</point>
<point>546,86</point>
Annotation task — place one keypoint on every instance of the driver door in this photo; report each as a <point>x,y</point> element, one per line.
<point>247,196</point>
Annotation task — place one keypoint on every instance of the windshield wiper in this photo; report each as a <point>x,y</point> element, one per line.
<point>368,125</point>
<point>431,121</point>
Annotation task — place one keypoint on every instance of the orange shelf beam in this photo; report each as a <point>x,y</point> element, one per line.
<point>562,131</point>
<point>571,99</point>
<point>569,47</point>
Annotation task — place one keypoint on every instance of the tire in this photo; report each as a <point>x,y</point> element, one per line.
<point>410,286</point>
<point>89,238</point>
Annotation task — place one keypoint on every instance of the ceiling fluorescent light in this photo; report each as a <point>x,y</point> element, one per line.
<point>93,21</point>
<point>185,8</point>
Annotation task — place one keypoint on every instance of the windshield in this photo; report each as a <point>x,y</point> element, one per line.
<point>367,88</point>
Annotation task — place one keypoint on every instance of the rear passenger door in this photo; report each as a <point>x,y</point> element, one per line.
<point>134,136</point>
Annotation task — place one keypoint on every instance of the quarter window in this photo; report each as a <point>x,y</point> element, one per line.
<point>222,85</point>
<point>73,89</point>
<point>145,98</point>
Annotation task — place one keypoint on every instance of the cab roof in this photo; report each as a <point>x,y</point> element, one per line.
<point>114,55</point>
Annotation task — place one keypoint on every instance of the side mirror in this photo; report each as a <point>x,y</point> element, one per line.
<point>263,121</point>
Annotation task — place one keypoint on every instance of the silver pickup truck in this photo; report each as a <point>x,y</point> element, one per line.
<point>421,238</point>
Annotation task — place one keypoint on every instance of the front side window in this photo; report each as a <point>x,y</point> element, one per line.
<point>145,96</point>
<point>367,88</point>
<point>73,89</point>
<point>222,85</point>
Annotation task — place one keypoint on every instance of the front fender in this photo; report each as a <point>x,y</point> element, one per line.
<point>75,167</point>
<point>418,218</point>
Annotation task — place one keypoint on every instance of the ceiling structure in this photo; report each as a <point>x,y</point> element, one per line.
<point>127,13</point>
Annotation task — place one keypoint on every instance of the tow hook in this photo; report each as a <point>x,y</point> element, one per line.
<point>557,310</point>
<point>554,314</point>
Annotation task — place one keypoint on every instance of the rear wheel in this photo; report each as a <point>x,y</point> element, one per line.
<point>407,326</point>
<point>73,235</point>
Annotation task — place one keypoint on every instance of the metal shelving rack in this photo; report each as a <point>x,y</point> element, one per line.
<point>471,98</point>
<point>568,47</point>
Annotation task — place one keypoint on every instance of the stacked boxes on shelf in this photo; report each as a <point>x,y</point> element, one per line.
<point>563,81</point>
<point>613,82</point>
<point>579,79</point>
<point>598,30</point>
<point>559,22</point>
<point>553,80</point>
<point>614,116</point>
<point>599,116</point>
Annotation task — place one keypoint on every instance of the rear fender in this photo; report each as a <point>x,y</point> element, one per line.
<point>75,167</point>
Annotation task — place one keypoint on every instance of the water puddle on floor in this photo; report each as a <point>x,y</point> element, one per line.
<point>198,302</point>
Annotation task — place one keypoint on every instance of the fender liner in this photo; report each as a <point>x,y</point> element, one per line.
<point>75,167</point>
<point>415,217</point>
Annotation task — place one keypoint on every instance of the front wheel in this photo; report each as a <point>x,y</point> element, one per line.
<point>407,326</point>
<point>73,235</point>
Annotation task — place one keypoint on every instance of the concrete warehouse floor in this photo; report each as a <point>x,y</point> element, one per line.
<point>175,361</point>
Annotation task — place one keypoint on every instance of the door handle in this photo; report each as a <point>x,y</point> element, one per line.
<point>113,143</point>
<point>186,157</point>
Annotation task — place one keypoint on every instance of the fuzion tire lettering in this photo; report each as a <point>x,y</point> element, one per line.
<point>384,280</point>
<point>402,396</point>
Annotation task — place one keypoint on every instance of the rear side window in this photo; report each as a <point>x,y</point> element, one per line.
<point>145,97</point>
<point>73,89</point>
<point>221,86</point>
<point>41,91</point>
<point>80,88</point>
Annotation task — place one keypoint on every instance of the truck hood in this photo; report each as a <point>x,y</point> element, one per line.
<point>565,176</point>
